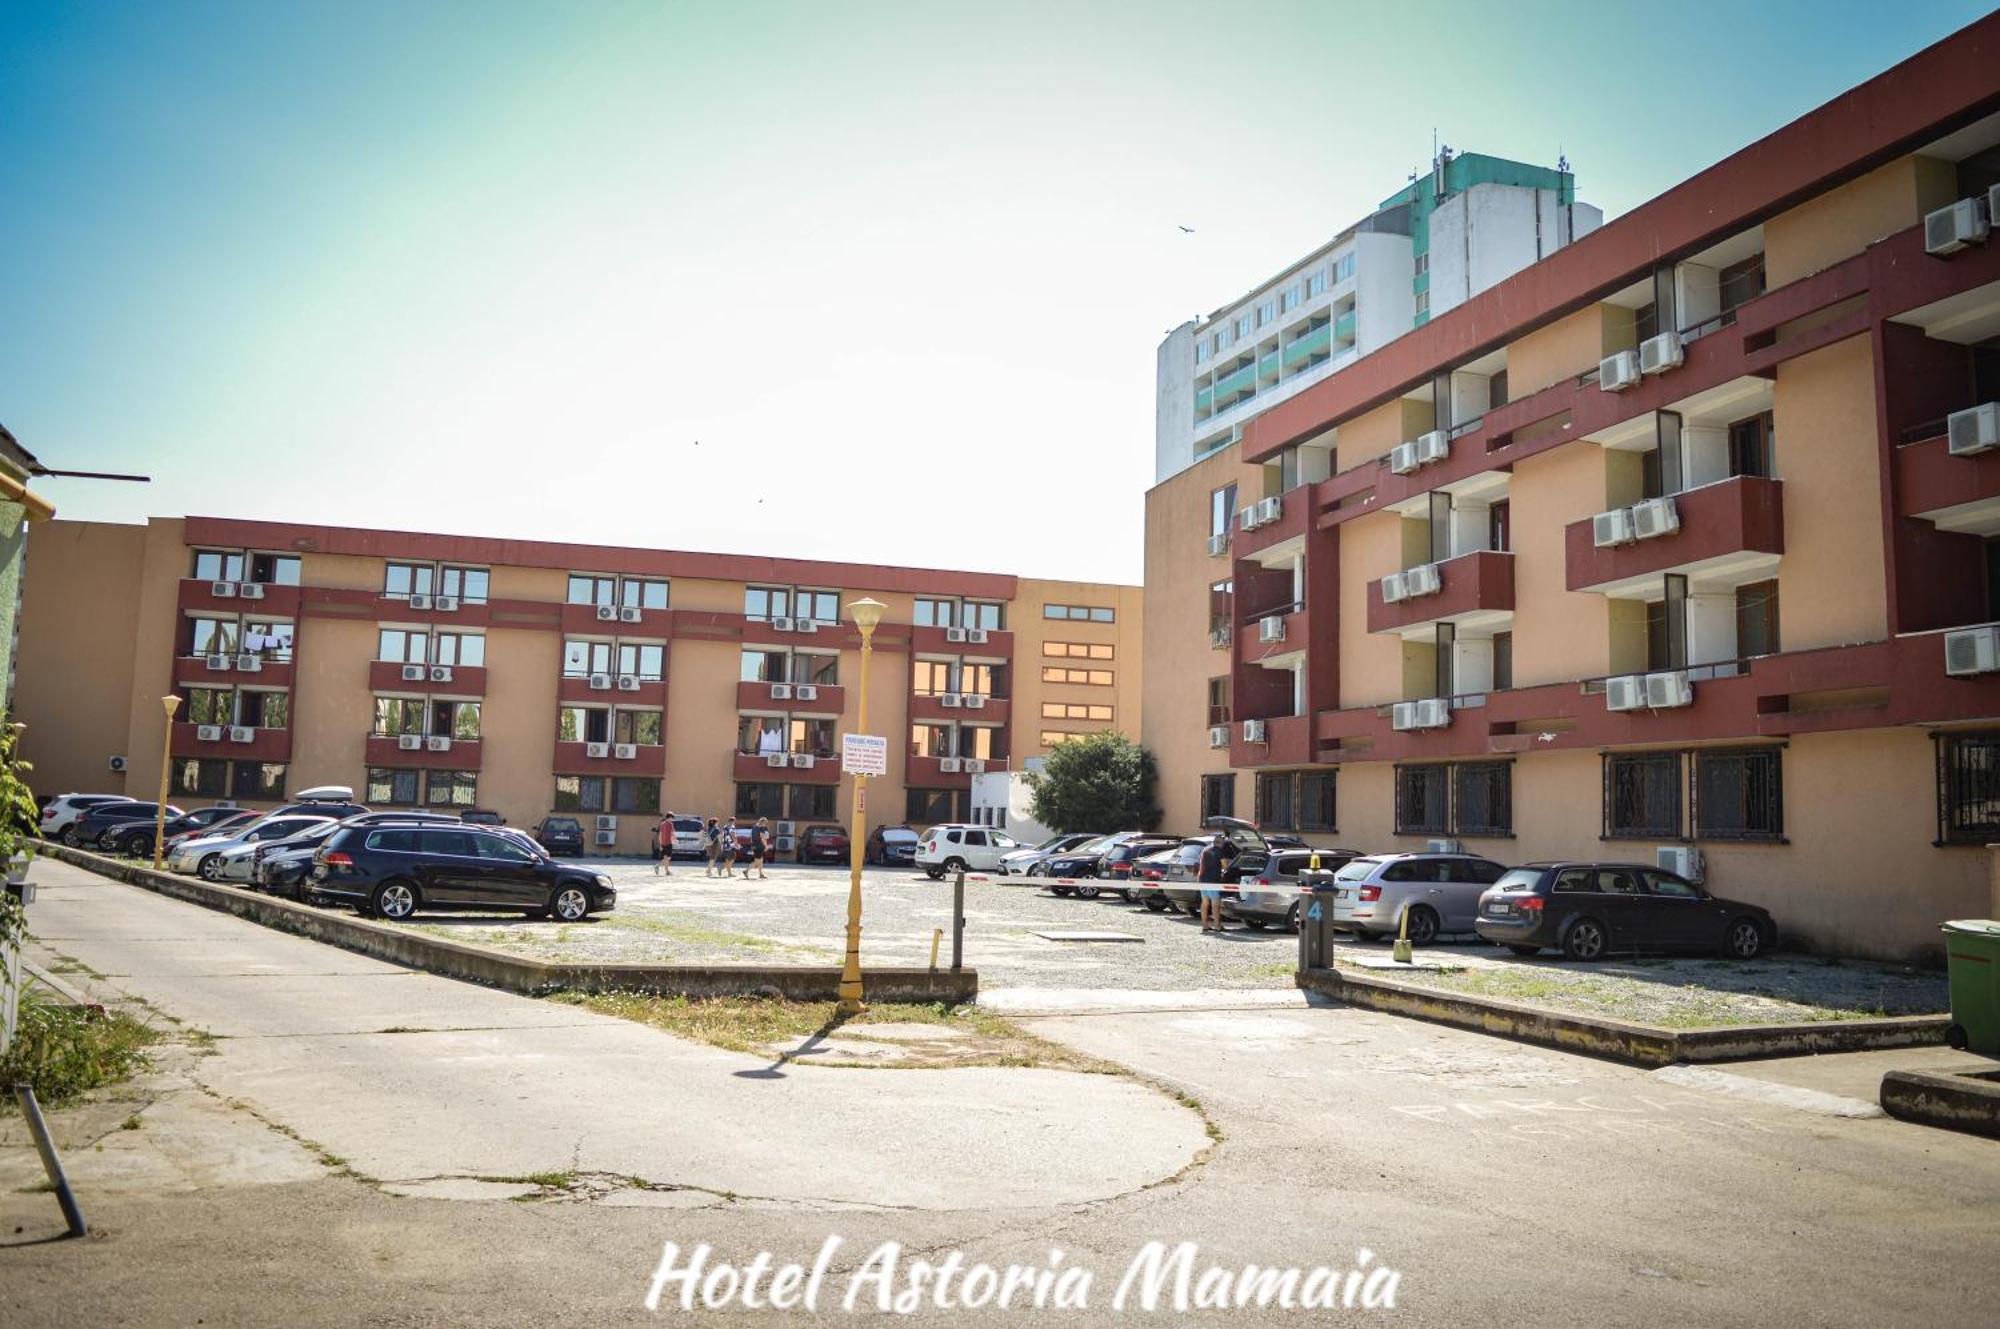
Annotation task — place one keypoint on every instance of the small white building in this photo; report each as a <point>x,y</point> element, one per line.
<point>1001,799</point>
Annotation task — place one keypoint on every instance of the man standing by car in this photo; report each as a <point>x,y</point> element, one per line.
<point>663,835</point>
<point>1209,874</point>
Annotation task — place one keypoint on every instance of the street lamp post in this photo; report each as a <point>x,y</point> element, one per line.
<point>866,614</point>
<point>169,704</point>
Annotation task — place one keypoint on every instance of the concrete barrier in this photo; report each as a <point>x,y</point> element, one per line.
<point>1955,1102</point>
<point>514,973</point>
<point>1619,1040</point>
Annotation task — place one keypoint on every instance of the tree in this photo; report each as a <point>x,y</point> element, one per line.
<point>1100,782</point>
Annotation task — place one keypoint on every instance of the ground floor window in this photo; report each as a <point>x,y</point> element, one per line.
<point>1423,800</point>
<point>579,793</point>
<point>928,807</point>
<point>1482,798</point>
<point>810,801</point>
<point>1739,794</point>
<point>631,794</point>
<point>390,786</point>
<point>1275,808</point>
<point>1968,779</point>
<point>259,779</point>
<point>201,777</point>
<point>1642,795</point>
<point>457,789</point>
<point>760,800</point>
<point>1218,796</point>
<point>1316,806</point>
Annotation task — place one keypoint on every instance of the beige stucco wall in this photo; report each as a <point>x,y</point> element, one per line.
<point>1559,633</point>
<point>1372,434</point>
<point>1125,636</point>
<point>1832,581</point>
<point>152,634</point>
<point>1565,348</point>
<point>1371,664</point>
<point>1842,222</point>
<point>332,706</point>
<point>74,681</point>
<point>517,726</point>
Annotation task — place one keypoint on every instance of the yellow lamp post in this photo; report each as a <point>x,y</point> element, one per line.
<point>866,614</point>
<point>169,705</point>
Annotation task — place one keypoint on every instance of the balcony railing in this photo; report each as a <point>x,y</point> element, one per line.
<point>431,752</point>
<point>1735,527</point>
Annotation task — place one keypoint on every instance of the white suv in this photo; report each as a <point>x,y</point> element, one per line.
<point>951,847</point>
<point>64,809</point>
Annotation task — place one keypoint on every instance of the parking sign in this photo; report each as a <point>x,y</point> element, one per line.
<point>864,754</point>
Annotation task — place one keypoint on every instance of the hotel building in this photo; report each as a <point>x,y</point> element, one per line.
<point>1681,538</point>
<point>532,678</point>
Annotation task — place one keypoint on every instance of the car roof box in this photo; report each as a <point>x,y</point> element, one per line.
<point>326,793</point>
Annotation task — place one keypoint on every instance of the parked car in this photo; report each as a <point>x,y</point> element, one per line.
<point>954,846</point>
<point>238,863</point>
<point>89,830</point>
<point>686,833</point>
<point>60,811</point>
<point>136,839</point>
<point>1147,885</point>
<point>202,855</point>
<point>392,871</point>
<point>891,846</point>
<point>1439,892</point>
<point>1588,910</point>
<point>1079,863</point>
<point>1115,864</point>
<point>285,866</point>
<point>560,835</point>
<point>1018,862</point>
<point>824,843</point>
<point>1182,889</point>
<point>1270,895</point>
<point>482,817</point>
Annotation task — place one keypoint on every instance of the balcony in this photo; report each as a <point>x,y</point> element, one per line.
<point>586,620</point>
<point>971,709</point>
<point>826,699</point>
<point>1288,741</point>
<point>756,768</point>
<point>461,754</point>
<point>1952,493</point>
<point>195,671</point>
<point>650,693</point>
<point>426,609</point>
<point>1472,587</point>
<point>1731,531</point>
<point>999,643</point>
<point>1317,342</point>
<point>387,676</point>
<point>648,760</point>
<point>929,772</point>
<point>277,601</point>
<point>264,744</point>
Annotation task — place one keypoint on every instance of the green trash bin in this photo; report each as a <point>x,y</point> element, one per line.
<point>1972,952</point>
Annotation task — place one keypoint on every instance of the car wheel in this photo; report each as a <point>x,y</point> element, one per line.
<point>1154,902</point>
<point>1423,928</point>
<point>210,868</point>
<point>1089,892</point>
<point>1585,940</point>
<point>569,903</point>
<point>1524,950</point>
<point>69,837</point>
<point>1292,917</point>
<point>1255,922</point>
<point>393,900</point>
<point>1744,940</point>
<point>1125,895</point>
<point>935,874</point>
<point>1955,1037</point>
<point>1062,890</point>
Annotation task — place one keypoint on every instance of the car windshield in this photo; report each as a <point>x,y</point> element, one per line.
<point>1101,844</point>
<point>1358,870</point>
<point>1520,879</point>
<point>900,834</point>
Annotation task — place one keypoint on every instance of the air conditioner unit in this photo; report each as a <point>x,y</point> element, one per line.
<point>802,760</point>
<point>1253,731</point>
<point>413,673</point>
<point>975,766</point>
<point>1430,713</point>
<point>223,590</point>
<point>1970,651</point>
<point>781,692</point>
<point>607,823</point>
<point>1434,446</point>
<point>217,663</point>
<point>117,764</point>
<point>628,682</point>
<point>1218,545</point>
<point>1659,354</point>
<point>1246,519</point>
<point>1612,528</point>
<point>607,613</point>
<point>596,749</point>
<point>208,733</point>
<point>628,614</point>
<point>1218,639</point>
<point>1403,458</point>
<point>1443,847</point>
<point>1655,517</point>
<point>806,691</point>
<point>251,590</point>
<point>1668,690</point>
<point>410,742</point>
<point>1218,735</point>
<point>1424,579</point>
<point>1270,509</point>
<point>249,664</point>
<point>1627,692</point>
<point>975,701</point>
<point>1615,373</point>
<point>625,751</point>
<point>1395,587</point>
<point>977,636</point>
<point>788,828</point>
<point>1271,629</point>
<point>1403,715</point>
<point>954,634</point>
<point>948,765</point>
<point>438,743</point>
<point>447,604</point>
<point>605,839</point>
<point>1953,227</point>
<point>1683,860</point>
<point>806,625</point>
<point>951,700</point>
<point>781,625</point>
<point>600,682</point>
<point>440,673</point>
<point>420,602</point>
<point>1973,431</point>
<point>777,760</point>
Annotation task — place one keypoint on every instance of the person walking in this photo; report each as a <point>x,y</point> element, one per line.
<point>711,844</point>
<point>760,847</point>
<point>1209,874</point>
<point>729,847</point>
<point>663,834</point>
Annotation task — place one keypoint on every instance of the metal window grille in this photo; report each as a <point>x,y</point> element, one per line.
<point>1739,794</point>
<point>1275,810</point>
<point>1642,795</point>
<point>1316,801</point>
<point>1968,779</point>
<point>1423,800</point>
<point>1218,796</point>
<point>1483,798</point>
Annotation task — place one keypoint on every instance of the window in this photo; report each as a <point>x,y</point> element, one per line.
<point>402,580</point>
<point>1742,282</point>
<point>462,648</point>
<point>583,658</point>
<point>212,636</point>
<point>1096,678</point>
<point>809,801</point>
<point>468,584</point>
<point>455,719</point>
<point>1751,443</point>
<point>936,613</point>
<point>763,667</point>
<point>1201,351</point>
<point>1423,304</point>
<point>1642,795</point>
<point>1343,267</point>
<point>391,786</point>
<point>819,606</point>
<point>977,680</point>
<point>201,777</point>
<point>643,593</point>
<point>641,727</point>
<point>647,662</point>
<point>767,602</point>
<point>1218,796</point>
<point>583,724</point>
<point>1316,805</point>
<point>1267,313</point>
<point>1078,650</point>
<point>760,800</point>
<point>500,849</point>
<point>978,741</point>
<point>630,795</point>
<point>1757,619</point>
<point>209,706</point>
<point>400,647</point>
<point>263,780</point>
<point>811,736</point>
<point>932,678</point>
<point>761,734</point>
<point>1243,326</point>
<point>928,807</point>
<point>579,793</point>
<point>1218,700</point>
<point>1423,263</point>
<point>984,614</point>
<point>217,565</point>
<point>1968,780</point>
<point>1221,509</point>
<point>458,789</point>
<point>589,590</point>
<point>275,569</point>
<point>1423,800</point>
<point>1080,613</point>
<point>1503,661</point>
<point>1482,798</point>
<point>1053,737</point>
<point>267,710</point>
<point>271,640</point>
<point>931,740</point>
<point>1316,285</point>
<point>1290,299</point>
<point>1072,710</point>
<point>1275,809</point>
<point>398,715</point>
<point>1739,794</point>
<point>820,670</point>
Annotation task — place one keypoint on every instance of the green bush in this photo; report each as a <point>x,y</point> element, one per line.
<point>63,1052</point>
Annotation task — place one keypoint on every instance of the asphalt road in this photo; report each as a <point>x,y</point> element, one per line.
<point>1503,1183</point>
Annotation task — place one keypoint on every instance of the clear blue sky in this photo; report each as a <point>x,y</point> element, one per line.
<point>899,268</point>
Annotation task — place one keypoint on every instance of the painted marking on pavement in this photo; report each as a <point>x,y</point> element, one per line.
<point>1763,1091</point>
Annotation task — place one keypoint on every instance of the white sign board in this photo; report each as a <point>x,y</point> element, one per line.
<point>864,754</point>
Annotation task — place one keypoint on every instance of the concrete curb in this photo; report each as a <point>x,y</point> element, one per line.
<point>513,973</point>
<point>1636,1044</point>
<point>1968,1103</point>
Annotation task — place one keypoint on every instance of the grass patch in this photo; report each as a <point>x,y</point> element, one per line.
<point>64,1052</point>
<point>1662,1005</point>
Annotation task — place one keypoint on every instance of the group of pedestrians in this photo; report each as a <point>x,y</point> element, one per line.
<point>721,844</point>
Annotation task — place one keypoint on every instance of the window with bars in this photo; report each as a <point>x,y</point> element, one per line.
<point>1642,795</point>
<point>1423,800</point>
<point>1316,801</point>
<point>1482,796</point>
<point>1218,796</point>
<point>1968,778</point>
<point>1275,810</point>
<point>1739,794</point>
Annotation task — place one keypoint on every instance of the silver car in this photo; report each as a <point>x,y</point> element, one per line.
<point>1270,895</point>
<point>203,857</point>
<point>1439,892</point>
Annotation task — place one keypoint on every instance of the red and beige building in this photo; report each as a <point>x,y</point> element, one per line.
<point>532,678</point>
<point>1683,537</point>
